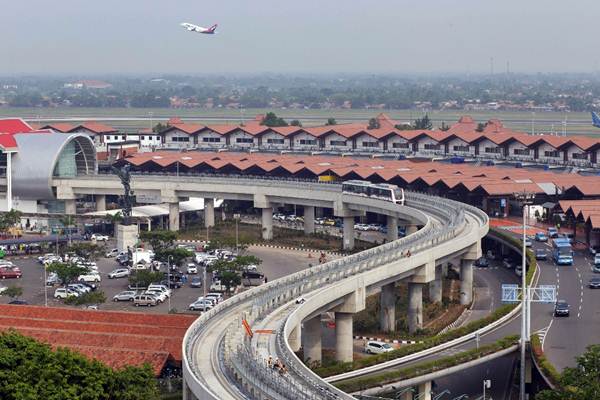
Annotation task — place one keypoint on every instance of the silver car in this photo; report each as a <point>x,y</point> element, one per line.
<point>126,295</point>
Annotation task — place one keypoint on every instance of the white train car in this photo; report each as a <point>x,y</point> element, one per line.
<point>383,191</point>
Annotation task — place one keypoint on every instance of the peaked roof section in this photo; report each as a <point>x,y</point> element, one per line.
<point>59,127</point>
<point>94,127</point>
<point>14,125</point>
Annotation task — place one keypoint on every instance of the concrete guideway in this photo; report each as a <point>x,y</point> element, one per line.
<point>450,231</point>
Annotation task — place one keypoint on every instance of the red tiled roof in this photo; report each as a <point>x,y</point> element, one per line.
<point>7,141</point>
<point>95,127</point>
<point>59,127</point>
<point>14,125</point>
<point>116,338</point>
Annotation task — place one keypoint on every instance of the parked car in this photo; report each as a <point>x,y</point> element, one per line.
<point>561,309</point>
<point>594,250</point>
<point>99,238</point>
<point>196,282</point>
<point>80,287</point>
<point>597,259</point>
<point>192,268</point>
<point>201,305</point>
<point>137,286</point>
<point>540,254</point>
<point>119,273</point>
<point>161,288</point>
<point>541,237</point>
<point>361,227</point>
<point>112,253</point>
<point>63,293</point>
<point>2,288</point>
<point>594,283</point>
<point>375,347</point>
<point>172,284</point>
<point>482,262</point>
<point>90,277</point>
<point>10,272</point>
<point>160,296</point>
<point>125,295</point>
<point>217,296</point>
<point>144,300</point>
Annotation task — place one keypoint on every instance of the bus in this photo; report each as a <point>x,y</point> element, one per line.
<point>562,253</point>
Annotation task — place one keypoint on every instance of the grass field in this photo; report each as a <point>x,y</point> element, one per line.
<point>135,118</point>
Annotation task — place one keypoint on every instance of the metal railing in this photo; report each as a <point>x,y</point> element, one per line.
<point>265,298</point>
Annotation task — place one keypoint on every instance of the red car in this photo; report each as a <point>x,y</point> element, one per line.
<point>6,272</point>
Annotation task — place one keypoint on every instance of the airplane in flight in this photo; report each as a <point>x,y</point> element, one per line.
<point>595,120</point>
<point>199,29</point>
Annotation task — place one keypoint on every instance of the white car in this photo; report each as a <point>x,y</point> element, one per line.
<point>161,297</point>
<point>362,227</point>
<point>375,347</point>
<point>90,277</point>
<point>2,288</point>
<point>112,253</point>
<point>99,238</point>
<point>217,296</point>
<point>201,305</point>
<point>192,269</point>
<point>119,273</point>
<point>160,288</point>
<point>63,293</point>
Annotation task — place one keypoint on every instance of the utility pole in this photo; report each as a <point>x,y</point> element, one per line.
<point>169,279</point>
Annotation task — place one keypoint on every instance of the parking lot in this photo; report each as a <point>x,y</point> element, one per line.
<point>276,263</point>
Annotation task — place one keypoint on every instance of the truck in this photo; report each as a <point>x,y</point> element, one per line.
<point>562,253</point>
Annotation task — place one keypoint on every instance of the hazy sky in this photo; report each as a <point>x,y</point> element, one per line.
<point>366,36</point>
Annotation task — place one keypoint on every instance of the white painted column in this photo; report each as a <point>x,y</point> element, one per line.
<point>435,286</point>
<point>267,223</point>
<point>387,312</point>
<point>309,220</point>
<point>70,207</point>
<point>173,216</point>
<point>392,228</point>
<point>9,197</point>
<point>415,307</point>
<point>425,391</point>
<point>311,340</point>
<point>100,202</point>
<point>466,281</point>
<point>209,213</point>
<point>348,233</point>
<point>344,339</point>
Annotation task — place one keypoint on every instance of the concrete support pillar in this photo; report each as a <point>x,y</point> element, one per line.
<point>466,281</point>
<point>407,395</point>
<point>309,220</point>
<point>209,213</point>
<point>425,391</point>
<point>392,228</point>
<point>182,220</point>
<point>348,233</point>
<point>9,196</point>
<point>435,286</point>
<point>387,313</point>
<point>344,340</point>
<point>173,216</point>
<point>100,202</point>
<point>311,340</point>
<point>415,307</point>
<point>267,223</point>
<point>411,229</point>
<point>70,207</point>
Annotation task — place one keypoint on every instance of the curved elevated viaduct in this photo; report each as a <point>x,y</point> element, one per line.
<point>222,362</point>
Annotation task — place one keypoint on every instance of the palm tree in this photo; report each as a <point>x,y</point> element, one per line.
<point>114,219</point>
<point>68,221</point>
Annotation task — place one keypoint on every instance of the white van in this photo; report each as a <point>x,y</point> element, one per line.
<point>375,347</point>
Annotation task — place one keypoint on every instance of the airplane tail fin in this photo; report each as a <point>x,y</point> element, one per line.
<point>595,119</point>
<point>212,28</point>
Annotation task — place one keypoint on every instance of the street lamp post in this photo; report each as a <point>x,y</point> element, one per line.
<point>236,217</point>
<point>45,286</point>
<point>487,384</point>
<point>525,199</point>
<point>169,279</point>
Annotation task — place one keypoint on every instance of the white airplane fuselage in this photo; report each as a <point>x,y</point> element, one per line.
<point>199,29</point>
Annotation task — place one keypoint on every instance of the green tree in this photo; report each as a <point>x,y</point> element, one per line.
<point>144,277</point>
<point>480,127</point>
<point>114,219</point>
<point>32,370</point>
<point>159,127</point>
<point>96,297</point>
<point>404,127</point>
<point>331,121</point>
<point>175,256</point>
<point>89,251</point>
<point>444,127</point>
<point>295,122</point>
<point>242,261</point>
<point>373,124</point>
<point>66,272</point>
<point>273,120</point>
<point>423,123</point>
<point>9,219</point>
<point>579,383</point>
<point>13,291</point>
<point>159,239</point>
<point>230,279</point>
